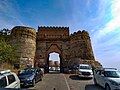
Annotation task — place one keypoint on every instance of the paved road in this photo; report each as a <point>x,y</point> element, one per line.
<point>58,81</point>
<point>76,83</point>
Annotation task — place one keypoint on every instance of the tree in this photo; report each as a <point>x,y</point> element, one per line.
<point>7,51</point>
<point>5,33</point>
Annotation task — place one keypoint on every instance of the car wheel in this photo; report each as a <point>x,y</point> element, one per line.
<point>107,87</point>
<point>95,82</point>
<point>33,82</point>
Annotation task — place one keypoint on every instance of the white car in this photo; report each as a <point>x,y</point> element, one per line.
<point>108,78</point>
<point>9,79</point>
<point>85,70</point>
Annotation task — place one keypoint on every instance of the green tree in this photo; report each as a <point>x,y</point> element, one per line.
<point>5,33</point>
<point>7,51</point>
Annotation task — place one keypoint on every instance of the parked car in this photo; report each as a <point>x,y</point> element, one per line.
<point>30,76</point>
<point>108,78</point>
<point>52,68</point>
<point>9,79</point>
<point>85,70</point>
<point>57,68</point>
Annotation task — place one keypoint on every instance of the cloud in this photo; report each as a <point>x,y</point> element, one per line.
<point>114,23</point>
<point>106,38</point>
<point>9,14</point>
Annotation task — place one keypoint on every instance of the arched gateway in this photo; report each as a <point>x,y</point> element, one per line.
<point>36,46</point>
<point>52,39</point>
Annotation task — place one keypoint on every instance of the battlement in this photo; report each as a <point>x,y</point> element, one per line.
<point>52,32</point>
<point>53,28</point>
<point>16,28</point>
<point>22,31</point>
<point>83,32</point>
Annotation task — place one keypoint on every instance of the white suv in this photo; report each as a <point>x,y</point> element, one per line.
<point>9,79</point>
<point>85,70</point>
<point>108,78</point>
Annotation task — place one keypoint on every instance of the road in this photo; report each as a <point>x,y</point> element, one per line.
<point>58,81</point>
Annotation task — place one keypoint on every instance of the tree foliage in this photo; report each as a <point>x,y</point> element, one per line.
<point>7,51</point>
<point>5,34</point>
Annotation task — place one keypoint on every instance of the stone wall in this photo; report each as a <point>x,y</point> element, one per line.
<point>24,38</point>
<point>80,45</point>
<point>35,46</point>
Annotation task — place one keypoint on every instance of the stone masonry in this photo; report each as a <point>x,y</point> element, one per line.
<point>36,46</point>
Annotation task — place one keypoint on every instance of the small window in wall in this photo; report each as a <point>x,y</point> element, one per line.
<point>3,82</point>
<point>40,55</point>
<point>11,79</point>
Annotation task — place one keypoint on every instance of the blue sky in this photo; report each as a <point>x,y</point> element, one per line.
<point>101,18</point>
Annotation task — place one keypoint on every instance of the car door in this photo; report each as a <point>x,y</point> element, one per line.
<point>39,73</point>
<point>3,82</point>
<point>97,75</point>
<point>101,78</point>
<point>12,82</point>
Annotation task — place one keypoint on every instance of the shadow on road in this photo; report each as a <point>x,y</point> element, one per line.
<point>75,77</point>
<point>54,72</point>
<point>26,88</point>
<point>93,87</point>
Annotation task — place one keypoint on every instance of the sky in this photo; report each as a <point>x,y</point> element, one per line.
<point>101,18</point>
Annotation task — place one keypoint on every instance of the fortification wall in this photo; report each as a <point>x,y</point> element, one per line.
<point>52,33</point>
<point>24,38</point>
<point>36,46</point>
<point>80,45</point>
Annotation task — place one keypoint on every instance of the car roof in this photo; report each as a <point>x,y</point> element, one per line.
<point>84,65</point>
<point>107,69</point>
<point>110,69</point>
<point>5,73</point>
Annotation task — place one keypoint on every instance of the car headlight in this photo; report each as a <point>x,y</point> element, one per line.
<point>91,73</point>
<point>114,83</point>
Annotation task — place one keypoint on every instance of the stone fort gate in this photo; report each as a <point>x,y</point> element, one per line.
<point>36,46</point>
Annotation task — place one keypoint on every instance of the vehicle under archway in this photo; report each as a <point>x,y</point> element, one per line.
<point>54,62</point>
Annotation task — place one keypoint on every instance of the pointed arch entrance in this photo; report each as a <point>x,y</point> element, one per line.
<point>54,48</point>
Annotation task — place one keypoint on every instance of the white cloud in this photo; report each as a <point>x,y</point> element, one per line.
<point>113,24</point>
<point>106,39</point>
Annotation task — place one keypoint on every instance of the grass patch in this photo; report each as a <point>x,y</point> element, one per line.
<point>6,66</point>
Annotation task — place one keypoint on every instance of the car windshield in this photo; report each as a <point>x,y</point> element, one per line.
<point>114,74</point>
<point>85,67</point>
<point>28,70</point>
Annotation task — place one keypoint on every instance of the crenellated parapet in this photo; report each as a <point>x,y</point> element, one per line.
<point>80,35</point>
<point>52,28</point>
<point>45,32</point>
<point>25,32</point>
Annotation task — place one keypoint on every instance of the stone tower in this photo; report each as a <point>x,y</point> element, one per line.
<point>35,47</point>
<point>80,47</point>
<point>24,38</point>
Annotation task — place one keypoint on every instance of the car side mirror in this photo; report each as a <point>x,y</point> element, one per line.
<point>102,75</point>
